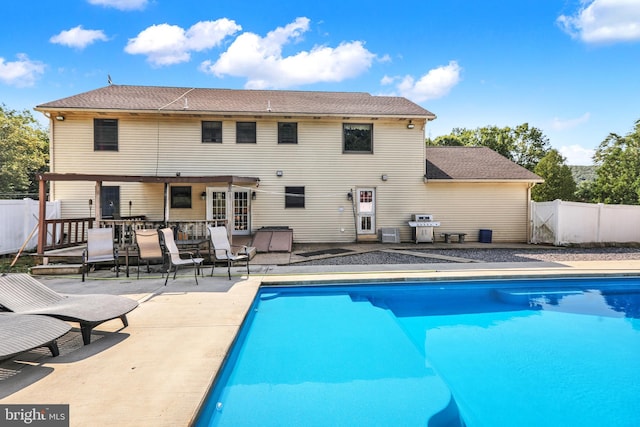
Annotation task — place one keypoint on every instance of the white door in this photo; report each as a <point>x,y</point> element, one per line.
<point>366,210</point>
<point>216,204</point>
<point>238,209</point>
<point>241,212</point>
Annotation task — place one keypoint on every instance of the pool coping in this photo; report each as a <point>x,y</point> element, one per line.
<point>163,354</point>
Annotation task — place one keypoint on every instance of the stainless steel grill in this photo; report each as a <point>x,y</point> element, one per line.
<point>422,226</point>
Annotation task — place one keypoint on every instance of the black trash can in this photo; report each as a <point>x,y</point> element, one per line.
<point>485,236</point>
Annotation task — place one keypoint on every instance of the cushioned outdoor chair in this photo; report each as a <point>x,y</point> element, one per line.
<point>149,249</point>
<point>222,249</point>
<point>175,258</point>
<point>21,293</point>
<point>24,332</point>
<point>100,248</point>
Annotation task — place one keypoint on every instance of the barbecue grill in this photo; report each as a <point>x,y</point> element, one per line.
<point>422,227</point>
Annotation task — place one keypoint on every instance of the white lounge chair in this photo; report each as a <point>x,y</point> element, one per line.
<point>175,258</point>
<point>222,250</point>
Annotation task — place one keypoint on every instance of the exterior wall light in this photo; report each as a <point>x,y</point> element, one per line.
<point>60,118</point>
<point>384,177</point>
<point>350,195</point>
<point>253,195</point>
<point>279,173</point>
<point>203,195</point>
<point>410,125</point>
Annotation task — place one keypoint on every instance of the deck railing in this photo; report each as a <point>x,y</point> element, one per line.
<point>64,233</point>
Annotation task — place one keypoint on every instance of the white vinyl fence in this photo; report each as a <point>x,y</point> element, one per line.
<point>18,219</point>
<point>563,223</point>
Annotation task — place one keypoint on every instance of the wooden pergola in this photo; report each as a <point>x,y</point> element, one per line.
<point>43,178</point>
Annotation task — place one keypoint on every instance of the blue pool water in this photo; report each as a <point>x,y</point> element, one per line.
<point>552,352</point>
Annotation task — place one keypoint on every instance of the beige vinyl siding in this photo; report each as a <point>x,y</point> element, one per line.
<point>469,207</point>
<point>173,144</point>
<point>160,144</point>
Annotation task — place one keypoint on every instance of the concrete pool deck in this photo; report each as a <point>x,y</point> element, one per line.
<point>156,371</point>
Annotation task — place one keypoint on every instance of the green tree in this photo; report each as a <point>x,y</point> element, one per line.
<point>524,145</point>
<point>618,169</point>
<point>24,151</point>
<point>558,180</point>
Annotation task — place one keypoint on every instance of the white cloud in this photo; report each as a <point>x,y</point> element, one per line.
<point>386,80</point>
<point>260,59</point>
<point>435,84</point>
<point>166,44</point>
<point>604,21</point>
<point>78,37</point>
<point>577,155</point>
<point>564,124</point>
<point>121,4</point>
<point>21,73</point>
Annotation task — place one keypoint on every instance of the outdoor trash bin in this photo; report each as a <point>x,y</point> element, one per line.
<point>485,236</point>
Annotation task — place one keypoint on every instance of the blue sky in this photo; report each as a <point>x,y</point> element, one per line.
<point>569,68</point>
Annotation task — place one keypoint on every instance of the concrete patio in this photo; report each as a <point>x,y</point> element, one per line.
<point>157,371</point>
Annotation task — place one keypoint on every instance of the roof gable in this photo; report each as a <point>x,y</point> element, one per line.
<point>199,100</point>
<point>473,163</point>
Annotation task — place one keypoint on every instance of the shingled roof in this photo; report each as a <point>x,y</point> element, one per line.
<point>474,164</point>
<point>264,102</point>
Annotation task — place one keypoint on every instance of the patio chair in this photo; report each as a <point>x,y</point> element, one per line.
<point>24,332</point>
<point>149,249</point>
<point>175,258</point>
<point>222,250</point>
<point>21,293</point>
<point>100,248</point>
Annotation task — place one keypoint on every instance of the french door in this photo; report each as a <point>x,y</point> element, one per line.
<point>237,209</point>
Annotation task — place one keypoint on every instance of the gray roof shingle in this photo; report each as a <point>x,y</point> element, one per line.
<point>173,99</point>
<point>474,163</point>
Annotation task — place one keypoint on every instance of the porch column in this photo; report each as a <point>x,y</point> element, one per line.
<point>42,214</point>
<point>231,208</point>
<point>166,203</point>
<point>98,204</point>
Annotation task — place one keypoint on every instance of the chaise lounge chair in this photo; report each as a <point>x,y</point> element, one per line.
<point>22,332</point>
<point>23,294</point>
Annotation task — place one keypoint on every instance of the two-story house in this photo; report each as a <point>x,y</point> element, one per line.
<point>331,166</point>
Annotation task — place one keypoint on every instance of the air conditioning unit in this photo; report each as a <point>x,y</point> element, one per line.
<point>389,235</point>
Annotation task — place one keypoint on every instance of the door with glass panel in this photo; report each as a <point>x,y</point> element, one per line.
<point>219,207</point>
<point>366,210</point>
<point>241,210</point>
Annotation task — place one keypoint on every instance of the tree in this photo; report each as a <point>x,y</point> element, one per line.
<point>558,179</point>
<point>524,145</point>
<point>618,169</point>
<point>24,151</point>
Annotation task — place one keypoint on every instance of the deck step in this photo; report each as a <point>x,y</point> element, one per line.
<point>53,269</point>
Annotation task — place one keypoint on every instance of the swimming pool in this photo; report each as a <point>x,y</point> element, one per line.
<point>549,352</point>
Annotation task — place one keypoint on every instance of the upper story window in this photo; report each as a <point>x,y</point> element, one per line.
<point>294,197</point>
<point>287,133</point>
<point>105,134</point>
<point>246,132</point>
<point>211,131</point>
<point>358,138</point>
